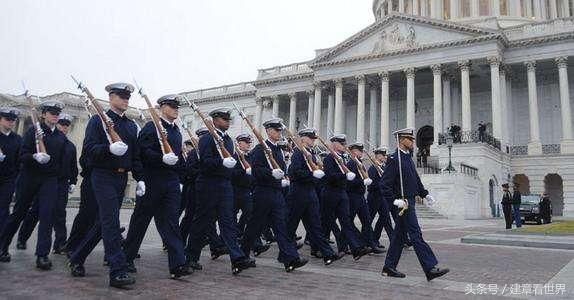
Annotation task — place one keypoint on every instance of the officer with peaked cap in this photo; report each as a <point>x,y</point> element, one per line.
<point>304,204</point>
<point>336,201</point>
<point>375,198</point>
<point>38,181</point>
<point>356,189</point>
<point>10,148</point>
<point>268,200</point>
<point>407,223</point>
<point>111,162</point>
<point>162,200</point>
<point>66,184</point>
<point>215,195</point>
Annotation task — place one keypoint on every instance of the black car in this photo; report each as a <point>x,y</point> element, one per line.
<point>530,209</point>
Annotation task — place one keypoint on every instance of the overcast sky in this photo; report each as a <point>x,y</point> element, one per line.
<point>169,46</point>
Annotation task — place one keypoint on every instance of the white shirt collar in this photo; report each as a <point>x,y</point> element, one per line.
<point>168,122</point>
<point>405,152</point>
<point>223,133</point>
<point>272,143</point>
<point>7,133</point>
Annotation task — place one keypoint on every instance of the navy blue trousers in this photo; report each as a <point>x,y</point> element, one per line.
<point>30,188</point>
<point>304,206</point>
<point>214,202</point>
<point>408,226</point>
<point>7,188</point>
<point>336,206</point>
<point>244,202</point>
<point>86,216</point>
<point>269,208</point>
<point>162,201</point>
<point>109,188</point>
<point>358,207</point>
<point>378,206</point>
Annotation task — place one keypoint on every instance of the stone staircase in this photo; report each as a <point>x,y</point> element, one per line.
<point>425,212</point>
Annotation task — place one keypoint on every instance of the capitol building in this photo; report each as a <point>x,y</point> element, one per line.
<point>430,64</point>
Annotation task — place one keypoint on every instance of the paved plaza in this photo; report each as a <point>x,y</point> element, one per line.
<point>480,271</point>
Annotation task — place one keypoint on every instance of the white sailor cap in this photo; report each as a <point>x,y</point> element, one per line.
<point>172,100</point>
<point>381,150</point>
<point>65,119</point>
<point>357,145</point>
<point>339,138</point>
<point>222,112</point>
<point>275,123</point>
<point>53,106</point>
<point>408,132</point>
<point>124,90</point>
<point>201,131</point>
<point>9,112</point>
<point>243,137</point>
<point>308,132</point>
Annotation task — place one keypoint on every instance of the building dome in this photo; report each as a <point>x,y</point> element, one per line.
<point>512,11</point>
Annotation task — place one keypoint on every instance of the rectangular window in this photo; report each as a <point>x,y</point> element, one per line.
<point>504,9</point>
<point>484,7</point>
<point>446,9</point>
<point>465,6</point>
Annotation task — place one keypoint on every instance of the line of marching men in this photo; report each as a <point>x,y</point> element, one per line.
<point>208,179</point>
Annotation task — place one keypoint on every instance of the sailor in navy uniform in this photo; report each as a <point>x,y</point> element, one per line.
<point>356,189</point>
<point>66,185</point>
<point>268,200</point>
<point>304,205</point>
<point>335,203</point>
<point>375,198</point>
<point>111,162</point>
<point>407,223</point>
<point>215,196</point>
<point>10,148</point>
<point>162,200</point>
<point>38,181</point>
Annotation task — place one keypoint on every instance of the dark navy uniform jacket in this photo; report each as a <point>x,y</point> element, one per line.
<point>334,177</point>
<point>190,168</point>
<point>55,142</point>
<point>97,145</point>
<point>357,186</point>
<point>69,170</point>
<point>299,172</point>
<point>375,187</point>
<point>261,168</point>
<point>240,179</point>
<point>150,150</point>
<point>210,161</point>
<point>85,165</point>
<point>11,146</point>
<point>411,181</point>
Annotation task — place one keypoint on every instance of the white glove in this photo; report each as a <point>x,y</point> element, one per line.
<point>140,188</point>
<point>229,162</point>
<point>367,181</point>
<point>318,174</point>
<point>248,171</point>
<point>71,188</point>
<point>430,200</point>
<point>351,176</point>
<point>41,157</point>
<point>118,148</point>
<point>277,173</point>
<point>285,182</point>
<point>181,187</point>
<point>39,132</point>
<point>170,159</point>
<point>2,157</point>
<point>400,203</point>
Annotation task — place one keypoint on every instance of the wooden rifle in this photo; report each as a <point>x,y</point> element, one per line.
<point>306,154</point>
<point>360,167</point>
<point>244,163</point>
<point>336,156</point>
<point>40,146</point>
<point>112,134</point>
<point>161,132</point>
<point>377,165</point>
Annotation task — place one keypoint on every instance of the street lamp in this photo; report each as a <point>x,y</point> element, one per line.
<point>449,141</point>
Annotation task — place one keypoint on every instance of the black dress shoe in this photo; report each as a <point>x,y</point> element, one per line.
<point>242,264</point>
<point>21,245</point>
<point>58,250</point>
<point>260,249</point>
<point>195,265</point>
<point>316,254</point>
<point>327,260</point>
<point>392,272</point>
<point>297,263</point>
<point>377,250</point>
<point>216,253</point>
<point>4,256</point>
<point>43,263</point>
<point>131,267</point>
<point>361,252</point>
<point>122,280</point>
<point>77,270</point>
<point>180,271</point>
<point>436,272</point>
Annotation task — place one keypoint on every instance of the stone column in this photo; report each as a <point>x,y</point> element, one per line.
<point>553,9</point>
<point>567,138</point>
<point>446,104</point>
<point>534,146</point>
<point>292,111</point>
<point>416,7</point>
<point>538,10</point>
<point>310,107</point>
<point>454,9</point>
<point>339,118</point>
<point>474,8</point>
<point>389,7</point>
<point>317,107</point>
<point>495,4</point>
<point>435,6</point>
<point>258,111</point>
<point>424,10</point>
<point>373,113</point>
<point>402,6</point>
<point>410,73</point>
<point>514,8</point>
<point>465,94</point>
<point>437,100</point>
<point>509,113</point>
<point>495,96</point>
<point>330,112</point>
<point>566,8</point>
<point>361,82</point>
<point>528,12</point>
<point>275,106</point>
<point>385,109</point>
<point>503,107</point>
